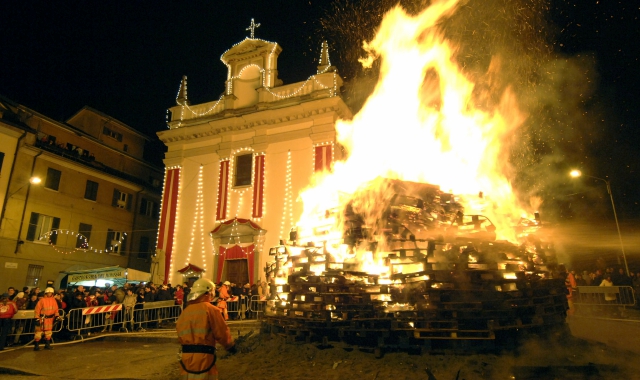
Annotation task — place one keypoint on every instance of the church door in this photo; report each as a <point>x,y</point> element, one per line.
<point>237,271</point>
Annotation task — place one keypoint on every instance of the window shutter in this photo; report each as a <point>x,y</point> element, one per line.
<point>129,198</point>
<point>54,226</point>
<point>33,224</point>
<point>154,211</point>
<point>116,196</point>
<point>109,239</point>
<point>143,206</point>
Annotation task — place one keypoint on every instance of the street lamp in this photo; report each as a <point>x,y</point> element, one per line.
<point>32,181</point>
<point>578,173</point>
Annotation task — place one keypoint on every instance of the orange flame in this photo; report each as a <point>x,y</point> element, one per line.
<point>422,123</point>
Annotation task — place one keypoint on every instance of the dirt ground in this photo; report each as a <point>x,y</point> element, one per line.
<point>270,357</point>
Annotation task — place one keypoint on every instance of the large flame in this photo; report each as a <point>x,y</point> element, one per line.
<point>423,123</point>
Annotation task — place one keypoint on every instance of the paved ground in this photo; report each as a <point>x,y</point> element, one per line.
<point>149,355</point>
<point>153,355</point>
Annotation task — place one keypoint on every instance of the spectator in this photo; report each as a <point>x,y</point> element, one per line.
<point>7,310</point>
<point>622,279</point>
<point>150,293</point>
<point>100,298</point>
<point>236,289</point>
<point>609,298</point>
<point>179,295</point>
<point>33,301</point>
<point>185,290</point>
<point>129,304</point>
<point>636,282</point>
<point>110,318</point>
<point>140,315</point>
<point>21,303</point>
<point>12,292</point>
<point>597,279</point>
<point>164,294</point>
<point>254,289</point>
<point>78,301</point>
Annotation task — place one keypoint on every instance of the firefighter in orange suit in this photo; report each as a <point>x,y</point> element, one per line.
<point>223,297</point>
<point>200,327</point>
<point>46,313</point>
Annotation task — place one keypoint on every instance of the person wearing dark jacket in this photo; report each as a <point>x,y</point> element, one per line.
<point>33,301</point>
<point>164,294</point>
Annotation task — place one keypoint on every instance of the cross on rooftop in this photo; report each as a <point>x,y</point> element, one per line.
<point>253,27</point>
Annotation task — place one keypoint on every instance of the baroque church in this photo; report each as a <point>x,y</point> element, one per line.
<point>234,166</point>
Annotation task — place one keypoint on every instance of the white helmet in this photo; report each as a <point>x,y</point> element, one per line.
<point>48,290</point>
<point>199,288</point>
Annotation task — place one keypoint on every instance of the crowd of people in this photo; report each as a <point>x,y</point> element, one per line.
<point>131,296</point>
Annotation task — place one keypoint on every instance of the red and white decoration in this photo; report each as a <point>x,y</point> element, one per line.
<point>234,251</point>
<point>101,309</point>
<point>258,186</point>
<point>237,251</point>
<point>323,158</point>
<point>168,216</point>
<point>223,188</point>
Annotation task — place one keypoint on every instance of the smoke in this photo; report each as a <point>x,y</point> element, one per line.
<point>504,46</point>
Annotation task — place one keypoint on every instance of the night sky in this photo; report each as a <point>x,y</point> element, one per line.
<point>126,59</point>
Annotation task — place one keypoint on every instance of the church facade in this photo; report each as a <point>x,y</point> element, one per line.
<point>234,166</point>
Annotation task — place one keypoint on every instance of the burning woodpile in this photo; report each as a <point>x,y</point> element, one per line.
<point>441,281</point>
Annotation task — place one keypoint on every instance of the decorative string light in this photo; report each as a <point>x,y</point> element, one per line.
<point>320,61</point>
<point>264,183</point>
<point>266,80</point>
<point>198,223</point>
<point>177,221</point>
<point>84,246</point>
<point>287,208</point>
<point>326,143</point>
<point>164,186</point>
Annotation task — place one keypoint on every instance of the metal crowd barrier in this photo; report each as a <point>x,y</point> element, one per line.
<point>257,306</point>
<point>24,325</point>
<point>155,313</point>
<point>236,308</point>
<point>116,318</point>
<point>245,308</point>
<point>95,319</point>
<point>603,300</point>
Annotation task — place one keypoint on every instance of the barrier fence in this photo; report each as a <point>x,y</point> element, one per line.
<point>24,326</point>
<point>85,321</point>
<point>245,307</point>
<point>603,300</point>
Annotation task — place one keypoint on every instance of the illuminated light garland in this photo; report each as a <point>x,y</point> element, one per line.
<point>235,153</point>
<point>227,190</point>
<point>327,65</point>
<point>266,78</point>
<point>164,185</point>
<point>288,204</point>
<point>177,222</point>
<point>85,244</point>
<point>198,222</point>
<point>326,143</point>
<point>253,28</point>
<point>264,183</point>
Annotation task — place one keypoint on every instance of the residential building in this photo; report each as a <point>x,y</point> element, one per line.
<point>97,202</point>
